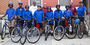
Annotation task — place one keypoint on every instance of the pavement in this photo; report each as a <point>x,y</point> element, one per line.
<point>51,41</point>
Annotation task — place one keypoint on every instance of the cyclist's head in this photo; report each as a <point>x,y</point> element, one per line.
<point>20,4</point>
<point>58,6</point>
<point>67,7</point>
<point>48,8</point>
<point>10,4</point>
<point>27,7</point>
<point>81,3</point>
<point>39,6</point>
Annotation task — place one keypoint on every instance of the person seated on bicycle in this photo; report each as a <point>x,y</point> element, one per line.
<point>39,17</point>
<point>81,11</point>
<point>57,14</point>
<point>19,13</point>
<point>11,15</point>
<point>27,15</point>
<point>67,14</point>
<point>49,16</point>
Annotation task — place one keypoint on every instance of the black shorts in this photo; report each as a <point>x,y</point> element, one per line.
<point>81,19</point>
<point>21,22</point>
<point>29,24</point>
<point>51,24</point>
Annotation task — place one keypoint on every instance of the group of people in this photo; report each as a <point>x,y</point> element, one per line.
<point>41,14</point>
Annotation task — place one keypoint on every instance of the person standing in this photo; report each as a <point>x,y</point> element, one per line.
<point>81,11</point>
<point>19,13</point>
<point>11,16</point>
<point>73,9</point>
<point>39,17</point>
<point>33,8</point>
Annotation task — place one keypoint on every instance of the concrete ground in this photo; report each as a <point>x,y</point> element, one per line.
<point>65,41</point>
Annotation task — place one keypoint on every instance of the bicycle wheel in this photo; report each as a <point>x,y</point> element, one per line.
<point>47,28</point>
<point>23,36</point>
<point>3,33</point>
<point>80,32</point>
<point>15,35</point>
<point>70,34</point>
<point>33,35</point>
<point>58,33</point>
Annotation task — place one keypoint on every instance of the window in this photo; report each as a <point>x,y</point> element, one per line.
<point>37,2</point>
<point>64,2</point>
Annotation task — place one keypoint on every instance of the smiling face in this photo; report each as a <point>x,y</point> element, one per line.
<point>39,8</point>
<point>80,4</point>
<point>20,5</point>
<point>10,6</point>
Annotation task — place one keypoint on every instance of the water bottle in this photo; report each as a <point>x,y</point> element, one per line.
<point>70,28</point>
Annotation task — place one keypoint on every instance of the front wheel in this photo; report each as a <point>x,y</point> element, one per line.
<point>23,36</point>
<point>15,35</point>
<point>33,35</point>
<point>47,28</point>
<point>80,32</point>
<point>58,33</point>
<point>3,33</point>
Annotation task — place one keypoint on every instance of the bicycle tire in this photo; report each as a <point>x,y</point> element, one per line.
<point>3,33</point>
<point>13,32</point>
<point>69,36</point>
<point>47,28</point>
<point>58,39</point>
<point>29,35</point>
<point>23,36</point>
<point>79,31</point>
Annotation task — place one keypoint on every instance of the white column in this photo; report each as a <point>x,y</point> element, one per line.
<point>29,2</point>
<point>58,1</point>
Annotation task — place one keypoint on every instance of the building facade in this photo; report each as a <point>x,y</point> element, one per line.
<point>52,3</point>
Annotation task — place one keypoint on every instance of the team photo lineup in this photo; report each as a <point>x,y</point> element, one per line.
<point>31,22</point>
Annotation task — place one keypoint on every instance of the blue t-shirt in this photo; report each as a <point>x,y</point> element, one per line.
<point>19,12</point>
<point>27,15</point>
<point>10,13</point>
<point>68,13</point>
<point>58,14</point>
<point>39,16</point>
<point>80,11</point>
<point>49,15</point>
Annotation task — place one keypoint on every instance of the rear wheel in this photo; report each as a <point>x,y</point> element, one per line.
<point>58,33</point>
<point>71,34</point>
<point>33,35</point>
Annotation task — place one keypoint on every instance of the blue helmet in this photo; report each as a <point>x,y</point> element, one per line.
<point>20,2</point>
<point>39,5</point>
<point>10,3</point>
<point>76,21</point>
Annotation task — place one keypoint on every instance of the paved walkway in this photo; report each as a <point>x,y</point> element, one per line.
<point>51,41</point>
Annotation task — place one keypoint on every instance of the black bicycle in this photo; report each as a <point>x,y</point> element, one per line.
<point>33,34</point>
<point>59,31</point>
<point>69,31</point>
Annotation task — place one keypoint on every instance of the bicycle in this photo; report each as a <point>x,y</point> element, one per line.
<point>69,31</point>
<point>16,32</point>
<point>24,32</point>
<point>83,28</point>
<point>33,34</point>
<point>5,27</point>
<point>59,31</point>
<point>47,29</point>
